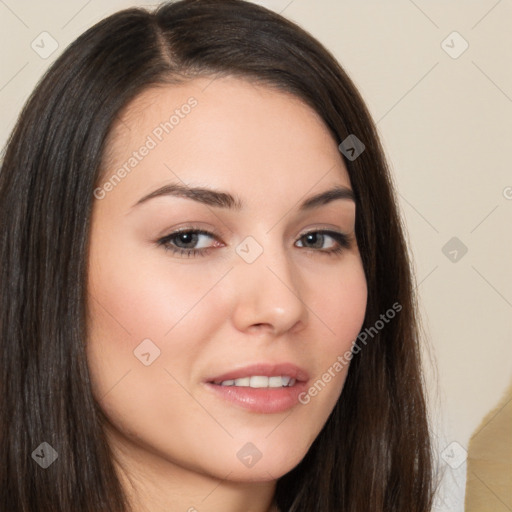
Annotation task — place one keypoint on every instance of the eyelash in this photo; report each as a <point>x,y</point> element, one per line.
<point>342,239</point>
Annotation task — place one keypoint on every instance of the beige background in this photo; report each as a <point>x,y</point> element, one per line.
<point>446,126</point>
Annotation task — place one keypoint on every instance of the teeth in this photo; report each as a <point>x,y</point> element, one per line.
<point>260,381</point>
<point>274,382</point>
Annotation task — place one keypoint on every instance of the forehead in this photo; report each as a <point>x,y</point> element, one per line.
<point>226,132</point>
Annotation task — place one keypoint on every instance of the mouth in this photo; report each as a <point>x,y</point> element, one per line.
<point>260,388</point>
<point>259,381</point>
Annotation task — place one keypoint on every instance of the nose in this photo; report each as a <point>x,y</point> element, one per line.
<point>267,294</point>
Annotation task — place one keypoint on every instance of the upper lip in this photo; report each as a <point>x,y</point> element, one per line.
<point>263,369</point>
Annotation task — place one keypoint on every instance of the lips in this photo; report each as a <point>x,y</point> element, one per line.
<point>244,387</point>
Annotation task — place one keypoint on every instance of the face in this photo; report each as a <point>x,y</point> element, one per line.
<point>223,281</point>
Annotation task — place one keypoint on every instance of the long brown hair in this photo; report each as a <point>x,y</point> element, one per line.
<point>374,453</point>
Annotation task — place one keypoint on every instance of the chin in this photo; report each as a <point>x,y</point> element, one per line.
<point>260,473</point>
<point>245,462</point>
<point>268,463</point>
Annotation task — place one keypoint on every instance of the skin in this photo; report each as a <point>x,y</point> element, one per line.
<point>175,442</point>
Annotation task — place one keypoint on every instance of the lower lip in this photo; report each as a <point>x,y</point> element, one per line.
<point>260,400</point>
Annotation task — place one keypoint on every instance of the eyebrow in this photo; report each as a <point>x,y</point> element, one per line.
<point>226,200</point>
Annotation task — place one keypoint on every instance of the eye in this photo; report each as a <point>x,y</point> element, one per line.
<point>188,242</point>
<point>316,240</point>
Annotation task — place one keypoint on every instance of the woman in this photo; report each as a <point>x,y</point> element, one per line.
<point>206,297</point>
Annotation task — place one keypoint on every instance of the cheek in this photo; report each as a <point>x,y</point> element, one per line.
<point>339,313</point>
<point>134,298</point>
<point>352,301</point>
<point>339,304</point>
<point>146,296</point>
